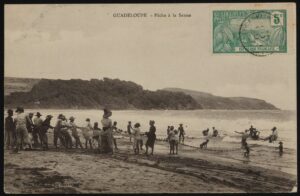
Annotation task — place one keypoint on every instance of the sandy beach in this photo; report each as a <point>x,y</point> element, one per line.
<point>84,171</point>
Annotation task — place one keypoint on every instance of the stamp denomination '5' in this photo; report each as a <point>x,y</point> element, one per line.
<point>258,32</point>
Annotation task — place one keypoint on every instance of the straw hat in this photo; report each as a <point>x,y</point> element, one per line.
<point>38,114</point>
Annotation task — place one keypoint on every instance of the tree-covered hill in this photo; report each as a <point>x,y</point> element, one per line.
<point>84,94</point>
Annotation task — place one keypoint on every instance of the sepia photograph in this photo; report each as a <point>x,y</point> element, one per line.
<point>150,98</point>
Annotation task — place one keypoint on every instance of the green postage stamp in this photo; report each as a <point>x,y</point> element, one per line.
<point>259,32</point>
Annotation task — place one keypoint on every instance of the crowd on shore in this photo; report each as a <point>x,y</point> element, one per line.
<point>28,132</point>
<point>24,131</point>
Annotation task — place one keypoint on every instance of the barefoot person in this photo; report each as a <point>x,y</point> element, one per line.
<point>151,137</point>
<point>43,131</point>
<point>115,131</point>
<point>87,133</point>
<point>57,134</point>
<point>247,150</point>
<point>10,130</point>
<point>181,133</point>
<point>172,139</point>
<point>37,122</point>
<point>21,129</point>
<point>215,132</point>
<point>65,133</point>
<point>205,132</point>
<point>106,135</point>
<point>245,135</point>
<point>129,127</point>
<point>280,148</point>
<point>96,134</point>
<point>137,138</point>
<point>75,135</point>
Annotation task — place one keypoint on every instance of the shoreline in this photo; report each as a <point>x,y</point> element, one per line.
<point>123,171</point>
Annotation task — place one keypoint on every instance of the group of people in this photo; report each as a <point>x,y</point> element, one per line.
<point>26,132</point>
<point>137,135</point>
<point>215,132</point>
<point>254,134</point>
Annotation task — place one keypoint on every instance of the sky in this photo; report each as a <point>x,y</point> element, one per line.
<point>86,41</point>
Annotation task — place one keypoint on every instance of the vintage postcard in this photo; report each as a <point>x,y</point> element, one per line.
<point>150,98</point>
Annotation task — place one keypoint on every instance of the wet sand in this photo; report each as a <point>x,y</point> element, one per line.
<point>84,171</point>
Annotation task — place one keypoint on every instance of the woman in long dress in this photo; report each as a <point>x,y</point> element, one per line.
<point>106,136</point>
<point>151,137</point>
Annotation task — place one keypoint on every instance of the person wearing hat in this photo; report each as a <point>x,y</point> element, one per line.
<point>10,131</point>
<point>106,137</point>
<point>181,133</point>
<point>57,131</point>
<point>137,138</point>
<point>21,129</point>
<point>273,136</point>
<point>75,135</point>
<point>37,122</point>
<point>87,133</point>
<point>65,133</point>
<point>151,137</point>
<point>46,124</point>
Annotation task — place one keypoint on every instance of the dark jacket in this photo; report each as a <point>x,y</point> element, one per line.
<point>9,124</point>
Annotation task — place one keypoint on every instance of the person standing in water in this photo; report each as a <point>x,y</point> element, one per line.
<point>247,150</point>
<point>37,121</point>
<point>205,132</point>
<point>137,138</point>
<point>106,136</point>
<point>245,135</point>
<point>280,148</point>
<point>151,137</point>
<point>181,133</point>
<point>215,132</point>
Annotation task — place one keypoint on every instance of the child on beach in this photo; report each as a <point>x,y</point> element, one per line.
<point>75,135</point>
<point>115,131</point>
<point>280,148</point>
<point>172,139</point>
<point>137,138</point>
